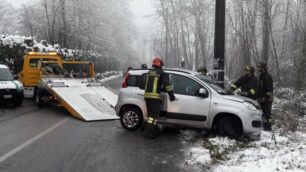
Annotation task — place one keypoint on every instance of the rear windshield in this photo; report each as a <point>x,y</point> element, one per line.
<point>136,81</point>
<point>34,61</point>
<point>6,75</point>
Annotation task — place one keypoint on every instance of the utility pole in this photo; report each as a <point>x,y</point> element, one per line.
<point>219,48</point>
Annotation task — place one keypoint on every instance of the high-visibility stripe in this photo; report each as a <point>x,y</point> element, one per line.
<point>252,91</point>
<point>147,78</point>
<point>234,86</point>
<point>155,85</point>
<point>152,121</point>
<point>152,95</point>
<point>269,93</point>
<point>169,88</point>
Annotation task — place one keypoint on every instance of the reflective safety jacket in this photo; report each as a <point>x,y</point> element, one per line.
<point>156,81</point>
<point>265,91</point>
<point>248,85</point>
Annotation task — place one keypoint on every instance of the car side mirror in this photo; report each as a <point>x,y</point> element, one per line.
<point>203,93</point>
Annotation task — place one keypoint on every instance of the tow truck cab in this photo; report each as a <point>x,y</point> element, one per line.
<point>31,72</point>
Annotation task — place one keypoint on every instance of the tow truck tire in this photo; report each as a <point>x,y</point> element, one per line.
<point>131,118</point>
<point>230,126</point>
<point>38,97</point>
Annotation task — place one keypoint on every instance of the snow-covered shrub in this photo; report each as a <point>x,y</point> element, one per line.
<point>13,48</point>
<point>288,109</point>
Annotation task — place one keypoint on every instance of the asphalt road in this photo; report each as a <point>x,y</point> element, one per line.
<point>49,139</point>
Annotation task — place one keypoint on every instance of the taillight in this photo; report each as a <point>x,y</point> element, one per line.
<point>125,80</point>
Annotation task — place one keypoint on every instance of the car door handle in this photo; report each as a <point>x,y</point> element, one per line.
<point>141,94</point>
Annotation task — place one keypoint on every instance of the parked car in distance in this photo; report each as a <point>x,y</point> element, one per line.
<point>200,104</point>
<point>11,90</point>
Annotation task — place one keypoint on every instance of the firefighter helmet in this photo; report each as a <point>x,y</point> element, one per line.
<point>157,62</point>
<point>144,66</point>
<point>262,66</point>
<point>250,68</point>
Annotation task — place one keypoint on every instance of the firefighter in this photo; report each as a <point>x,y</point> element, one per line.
<point>156,81</point>
<point>144,66</point>
<point>265,95</point>
<point>248,83</point>
<point>202,70</point>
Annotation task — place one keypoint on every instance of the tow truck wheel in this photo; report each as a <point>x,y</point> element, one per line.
<point>230,127</point>
<point>131,118</point>
<point>38,97</point>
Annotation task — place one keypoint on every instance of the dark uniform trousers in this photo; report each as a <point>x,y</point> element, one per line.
<point>266,109</point>
<point>265,98</point>
<point>153,109</point>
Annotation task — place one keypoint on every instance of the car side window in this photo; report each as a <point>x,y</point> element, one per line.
<point>184,85</point>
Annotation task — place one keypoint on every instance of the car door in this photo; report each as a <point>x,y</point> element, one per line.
<point>189,104</point>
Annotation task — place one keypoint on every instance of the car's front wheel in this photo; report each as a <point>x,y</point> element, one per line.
<point>230,127</point>
<point>131,118</point>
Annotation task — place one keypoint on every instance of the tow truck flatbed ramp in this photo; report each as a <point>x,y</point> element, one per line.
<point>84,99</point>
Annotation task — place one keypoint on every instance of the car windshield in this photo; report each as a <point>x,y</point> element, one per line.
<point>212,84</point>
<point>6,75</point>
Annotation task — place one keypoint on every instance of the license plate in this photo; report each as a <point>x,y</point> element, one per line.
<point>7,96</point>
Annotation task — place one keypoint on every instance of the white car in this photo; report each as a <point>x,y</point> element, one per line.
<point>11,91</point>
<point>200,104</point>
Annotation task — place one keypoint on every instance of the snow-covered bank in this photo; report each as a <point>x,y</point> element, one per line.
<point>106,76</point>
<point>281,150</point>
<point>272,153</point>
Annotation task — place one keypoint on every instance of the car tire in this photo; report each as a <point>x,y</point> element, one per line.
<point>131,118</point>
<point>230,127</point>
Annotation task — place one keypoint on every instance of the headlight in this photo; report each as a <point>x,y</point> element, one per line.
<point>250,106</point>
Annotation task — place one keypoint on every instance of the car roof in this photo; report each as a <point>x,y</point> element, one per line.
<point>2,66</point>
<point>171,70</point>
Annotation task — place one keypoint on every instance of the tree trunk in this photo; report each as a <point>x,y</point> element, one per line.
<point>265,31</point>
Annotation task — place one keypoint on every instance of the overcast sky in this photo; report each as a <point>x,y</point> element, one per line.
<point>140,8</point>
<point>18,3</point>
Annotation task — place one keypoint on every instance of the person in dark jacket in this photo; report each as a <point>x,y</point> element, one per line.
<point>203,70</point>
<point>248,83</point>
<point>265,95</point>
<point>156,81</point>
<point>144,66</point>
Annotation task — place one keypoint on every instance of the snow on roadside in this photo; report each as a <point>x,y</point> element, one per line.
<point>271,153</point>
<point>109,75</point>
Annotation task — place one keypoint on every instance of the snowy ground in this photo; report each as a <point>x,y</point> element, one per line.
<point>272,153</point>
<point>281,150</point>
<point>115,75</point>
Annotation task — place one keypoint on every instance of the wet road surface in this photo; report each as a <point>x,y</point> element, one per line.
<point>49,139</point>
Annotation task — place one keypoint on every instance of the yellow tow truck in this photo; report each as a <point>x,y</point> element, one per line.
<point>50,79</point>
